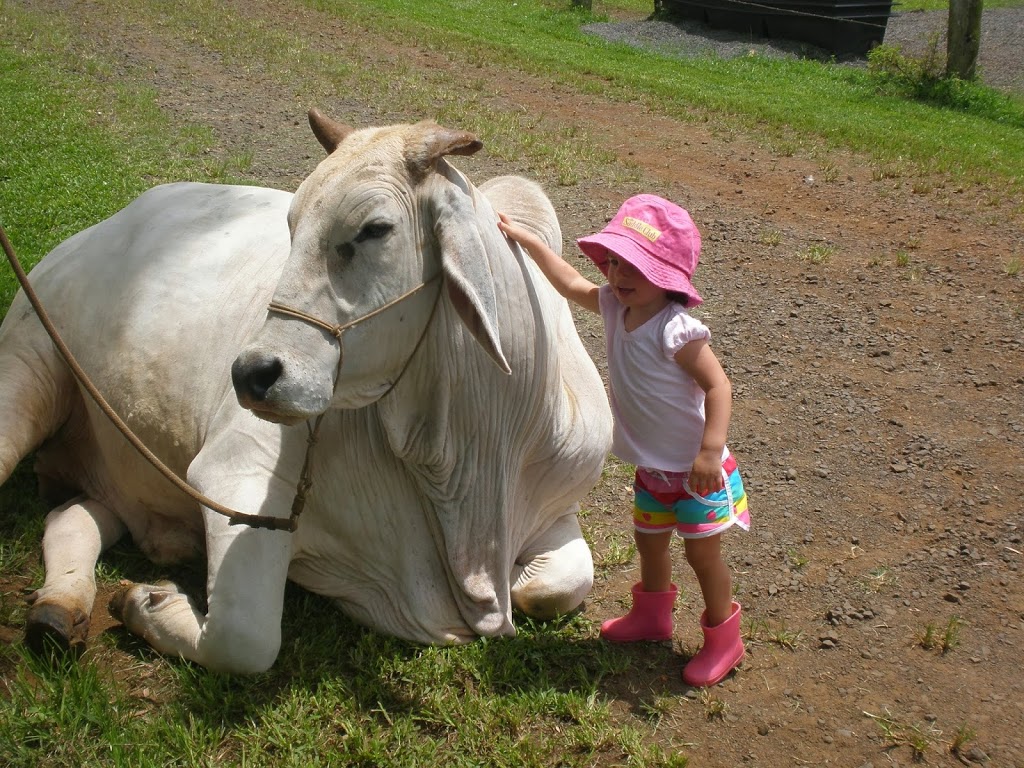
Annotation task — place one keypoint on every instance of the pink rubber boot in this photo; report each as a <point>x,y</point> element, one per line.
<point>650,618</point>
<point>721,654</point>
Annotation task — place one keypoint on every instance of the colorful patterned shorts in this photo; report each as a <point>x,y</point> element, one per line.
<point>661,502</point>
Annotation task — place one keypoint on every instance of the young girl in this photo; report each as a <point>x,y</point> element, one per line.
<point>672,403</point>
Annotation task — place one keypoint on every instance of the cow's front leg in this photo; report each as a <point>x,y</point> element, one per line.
<point>241,629</point>
<point>76,533</point>
<point>554,572</point>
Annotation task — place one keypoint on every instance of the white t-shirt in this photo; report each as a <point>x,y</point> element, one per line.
<point>658,407</point>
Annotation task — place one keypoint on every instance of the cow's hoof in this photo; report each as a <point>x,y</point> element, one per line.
<point>118,601</point>
<point>52,629</point>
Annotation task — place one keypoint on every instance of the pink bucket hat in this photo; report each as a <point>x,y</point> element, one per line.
<point>654,235</point>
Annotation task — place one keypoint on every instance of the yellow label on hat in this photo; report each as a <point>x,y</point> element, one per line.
<point>641,227</point>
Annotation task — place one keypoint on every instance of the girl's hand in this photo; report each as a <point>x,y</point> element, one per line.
<point>516,232</point>
<point>560,273</point>
<point>706,473</point>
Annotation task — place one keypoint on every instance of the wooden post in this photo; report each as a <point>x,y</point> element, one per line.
<point>963,38</point>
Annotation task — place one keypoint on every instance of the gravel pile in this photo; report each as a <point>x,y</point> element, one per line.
<point>999,61</point>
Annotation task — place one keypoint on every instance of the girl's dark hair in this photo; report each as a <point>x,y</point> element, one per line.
<point>680,298</point>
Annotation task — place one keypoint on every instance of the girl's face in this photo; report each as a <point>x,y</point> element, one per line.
<point>632,289</point>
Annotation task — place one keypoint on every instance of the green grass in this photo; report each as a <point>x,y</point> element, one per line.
<point>338,695</point>
<point>75,147</point>
<point>943,5</point>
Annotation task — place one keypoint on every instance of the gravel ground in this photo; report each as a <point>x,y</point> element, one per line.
<point>999,60</point>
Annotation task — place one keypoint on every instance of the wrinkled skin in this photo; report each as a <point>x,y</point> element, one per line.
<point>461,428</point>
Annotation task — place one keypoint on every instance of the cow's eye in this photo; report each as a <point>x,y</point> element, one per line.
<point>373,231</point>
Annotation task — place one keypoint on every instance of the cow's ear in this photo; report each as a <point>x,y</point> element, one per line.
<point>445,141</point>
<point>330,133</point>
<point>467,272</point>
<point>431,142</point>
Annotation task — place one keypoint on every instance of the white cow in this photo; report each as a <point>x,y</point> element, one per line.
<point>461,428</point>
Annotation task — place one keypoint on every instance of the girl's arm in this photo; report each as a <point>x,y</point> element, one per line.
<point>697,359</point>
<point>560,273</point>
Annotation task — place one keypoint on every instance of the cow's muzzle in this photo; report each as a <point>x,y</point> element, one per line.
<point>254,376</point>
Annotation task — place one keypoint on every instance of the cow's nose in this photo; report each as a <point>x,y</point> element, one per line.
<point>253,378</point>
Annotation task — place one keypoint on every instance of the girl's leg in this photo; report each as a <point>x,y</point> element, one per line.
<point>705,557</point>
<point>650,617</point>
<point>655,551</point>
<point>723,647</point>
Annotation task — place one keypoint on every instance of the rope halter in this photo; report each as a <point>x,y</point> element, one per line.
<point>336,330</point>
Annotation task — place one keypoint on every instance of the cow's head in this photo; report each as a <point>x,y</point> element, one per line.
<point>382,215</point>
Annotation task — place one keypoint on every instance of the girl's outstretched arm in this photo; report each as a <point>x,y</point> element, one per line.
<point>560,273</point>
<point>697,359</point>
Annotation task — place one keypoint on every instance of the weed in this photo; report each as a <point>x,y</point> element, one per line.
<point>617,470</point>
<point>676,761</point>
<point>1013,267</point>
<point>785,148</point>
<point>15,557</point>
<point>951,635</point>
<point>618,553</point>
<point>923,78</point>
<point>754,629</point>
<point>817,254</point>
<point>771,237</point>
<point>906,75</point>
<point>895,168</point>
<point>829,171</point>
<point>963,736</point>
<point>714,707</point>
<point>780,635</point>
<point>918,743</point>
<point>927,639</point>
<point>796,560</point>
<point>12,609</point>
<point>901,734</point>
<point>902,258</point>
<point>658,707</point>
<point>886,171</point>
<point>784,637</point>
<point>881,577</point>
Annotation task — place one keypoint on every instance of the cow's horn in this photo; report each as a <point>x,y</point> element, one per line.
<point>330,133</point>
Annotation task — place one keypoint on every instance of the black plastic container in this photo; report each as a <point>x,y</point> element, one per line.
<point>842,27</point>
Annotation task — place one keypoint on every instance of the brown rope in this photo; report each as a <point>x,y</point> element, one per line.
<point>234,517</point>
<point>336,330</point>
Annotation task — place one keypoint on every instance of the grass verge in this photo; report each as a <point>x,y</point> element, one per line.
<point>976,137</point>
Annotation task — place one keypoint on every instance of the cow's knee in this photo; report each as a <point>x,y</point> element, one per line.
<point>242,649</point>
<point>553,583</point>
